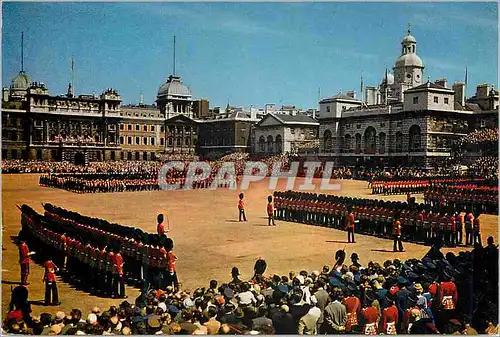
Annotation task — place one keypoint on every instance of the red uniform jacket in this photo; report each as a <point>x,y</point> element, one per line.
<point>352,305</point>
<point>118,263</point>
<point>24,253</point>
<point>349,220</point>
<point>397,227</point>
<point>171,261</point>
<point>241,204</point>
<point>50,271</point>
<point>448,289</point>
<point>389,315</point>
<point>270,209</point>
<point>160,229</point>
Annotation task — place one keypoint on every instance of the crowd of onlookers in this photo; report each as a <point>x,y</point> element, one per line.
<point>452,294</point>
<point>486,167</point>
<point>480,136</point>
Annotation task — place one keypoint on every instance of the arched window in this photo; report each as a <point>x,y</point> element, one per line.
<point>381,142</point>
<point>348,142</point>
<point>415,139</point>
<point>262,144</point>
<point>399,142</point>
<point>358,141</point>
<point>369,139</point>
<point>279,144</point>
<point>269,144</point>
<point>327,141</point>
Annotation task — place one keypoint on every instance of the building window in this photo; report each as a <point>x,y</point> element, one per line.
<point>162,129</point>
<point>292,131</point>
<point>129,127</point>
<point>137,142</point>
<point>152,127</point>
<point>152,141</point>
<point>170,141</point>
<point>162,141</point>
<point>129,140</point>
<point>188,141</point>
<point>122,155</point>
<point>145,128</point>
<point>121,140</point>
<point>328,109</point>
<point>121,126</point>
<point>145,140</point>
<point>137,127</point>
<point>436,99</point>
<point>446,100</point>
<point>415,100</point>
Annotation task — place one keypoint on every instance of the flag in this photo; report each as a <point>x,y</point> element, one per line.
<point>466,76</point>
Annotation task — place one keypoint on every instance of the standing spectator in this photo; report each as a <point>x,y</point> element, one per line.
<point>335,314</point>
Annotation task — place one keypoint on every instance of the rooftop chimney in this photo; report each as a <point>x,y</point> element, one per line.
<point>459,89</point>
<point>442,82</point>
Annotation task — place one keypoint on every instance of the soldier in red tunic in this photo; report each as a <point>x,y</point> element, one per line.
<point>49,278</point>
<point>447,297</point>
<point>24,259</point>
<point>353,306</point>
<point>469,221</point>
<point>349,225</point>
<point>117,270</point>
<point>397,234</point>
<point>390,316</point>
<point>370,315</point>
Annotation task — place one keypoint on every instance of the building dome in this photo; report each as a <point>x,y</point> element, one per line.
<point>390,79</point>
<point>408,39</point>
<point>22,81</point>
<point>409,60</point>
<point>174,87</point>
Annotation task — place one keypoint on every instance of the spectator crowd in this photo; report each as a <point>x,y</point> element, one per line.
<point>437,294</point>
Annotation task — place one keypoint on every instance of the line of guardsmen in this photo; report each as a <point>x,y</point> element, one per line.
<point>90,184</point>
<point>420,223</point>
<point>417,185</point>
<point>478,199</point>
<point>93,257</point>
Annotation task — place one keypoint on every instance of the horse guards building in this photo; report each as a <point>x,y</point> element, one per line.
<point>405,120</point>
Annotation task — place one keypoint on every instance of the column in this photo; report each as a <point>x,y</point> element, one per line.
<point>192,141</point>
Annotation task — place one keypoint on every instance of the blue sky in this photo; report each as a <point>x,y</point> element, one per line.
<point>245,53</point>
